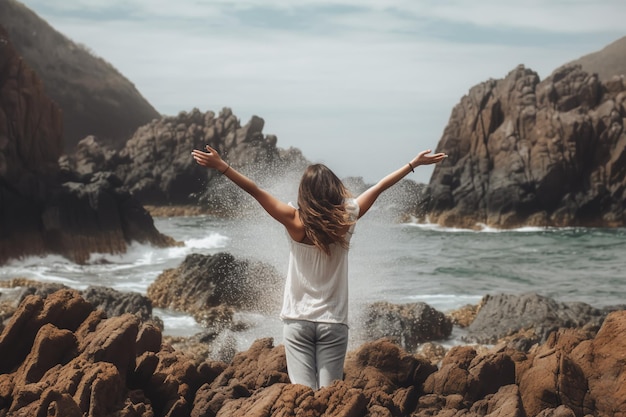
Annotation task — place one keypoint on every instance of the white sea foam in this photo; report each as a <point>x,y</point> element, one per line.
<point>212,241</point>
<point>480,228</point>
<point>445,302</point>
<point>176,323</point>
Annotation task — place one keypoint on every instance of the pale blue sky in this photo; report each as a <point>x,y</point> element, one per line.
<point>360,85</point>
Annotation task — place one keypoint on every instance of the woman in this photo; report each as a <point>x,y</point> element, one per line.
<point>315,305</point>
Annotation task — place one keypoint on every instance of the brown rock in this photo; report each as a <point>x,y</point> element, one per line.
<point>51,403</point>
<point>473,376</point>
<point>602,361</point>
<point>64,309</point>
<point>554,378</point>
<point>529,152</point>
<point>52,346</point>
<point>465,315</point>
<point>390,365</point>
<point>277,400</point>
<point>560,411</point>
<point>113,342</point>
<point>109,367</point>
<point>505,402</point>
<point>260,366</point>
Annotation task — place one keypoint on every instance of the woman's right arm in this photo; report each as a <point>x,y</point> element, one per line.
<point>369,196</point>
<point>282,212</point>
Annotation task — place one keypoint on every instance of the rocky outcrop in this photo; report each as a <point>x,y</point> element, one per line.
<point>407,325</point>
<point>530,318</point>
<point>44,209</point>
<point>210,287</point>
<point>156,165</point>
<point>111,302</point>
<point>62,357</point>
<point>94,97</point>
<point>529,152</point>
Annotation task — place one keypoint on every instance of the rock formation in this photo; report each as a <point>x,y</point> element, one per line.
<point>529,152</point>
<point>94,97</point>
<point>44,209</point>
<point>213,287</point>
<point>532,316</point>
<point>157,168</point>
<point>62,357</point>
<point>407,325</point>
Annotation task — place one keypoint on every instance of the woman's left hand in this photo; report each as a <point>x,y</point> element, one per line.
<point>424,158</point>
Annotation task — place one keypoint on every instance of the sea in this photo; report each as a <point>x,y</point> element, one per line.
<point>407,262</point>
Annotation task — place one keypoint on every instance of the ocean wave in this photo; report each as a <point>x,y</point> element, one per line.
<point>212,241</point>
<point>443,302</point>
<point>482,228</point>
<point>177,323</point>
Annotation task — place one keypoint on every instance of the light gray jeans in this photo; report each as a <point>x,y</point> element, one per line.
<point>315,351</point>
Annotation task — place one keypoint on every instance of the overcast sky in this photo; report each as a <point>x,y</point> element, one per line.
<point>361,85</point>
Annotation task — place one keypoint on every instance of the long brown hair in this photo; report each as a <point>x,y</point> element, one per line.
<point>321,199</point>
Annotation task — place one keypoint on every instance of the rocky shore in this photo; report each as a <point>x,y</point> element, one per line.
<point>101,353</point>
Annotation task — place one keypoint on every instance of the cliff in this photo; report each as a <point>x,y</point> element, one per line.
<point>528,152</point>
<point>95,99</point>
<point>44,209</point>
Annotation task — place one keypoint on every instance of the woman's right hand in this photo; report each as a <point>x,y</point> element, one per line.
<point>209,159</point>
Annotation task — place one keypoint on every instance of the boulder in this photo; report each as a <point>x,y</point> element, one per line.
<point>204,284</point>
<point>503,315</point>
<point>116,303</point>
<point>406,324</point>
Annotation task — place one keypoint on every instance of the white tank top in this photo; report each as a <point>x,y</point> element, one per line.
<point>317,284</point>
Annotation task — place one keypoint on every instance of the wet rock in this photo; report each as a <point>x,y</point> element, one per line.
<point>209,285</point>
<point>406,324</point>
<point>464,316</point>
<point>503,315</point>
<point>116,303</point>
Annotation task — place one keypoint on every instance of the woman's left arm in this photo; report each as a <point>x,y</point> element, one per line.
<point>369,196</point>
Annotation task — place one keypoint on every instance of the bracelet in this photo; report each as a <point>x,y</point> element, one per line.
<point>227,168</point>
<point>411,166</point>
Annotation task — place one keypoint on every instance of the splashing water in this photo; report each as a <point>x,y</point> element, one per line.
<point>400,263</point>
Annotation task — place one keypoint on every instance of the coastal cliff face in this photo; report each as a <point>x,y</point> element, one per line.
<point>529,152</point>
<point>44,209</point>
<point>94,97</point>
